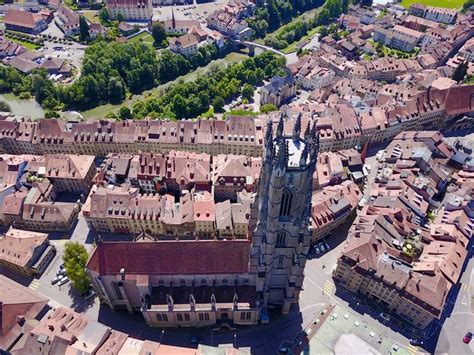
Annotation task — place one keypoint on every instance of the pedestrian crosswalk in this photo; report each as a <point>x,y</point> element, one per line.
<point>328,286</point>
<point>34,285</point>
<point>412,349</point>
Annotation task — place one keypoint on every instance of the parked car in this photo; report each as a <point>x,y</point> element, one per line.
<point>56,279</point>
<point>321,246</point>
<point>63,280</point>
<point>89,295</point>
<point>385,316</point>
<point>61,272</point>
<point>467,338</point>
<point>195,340</point>
<point>416,342</point>
<point>326,245</point>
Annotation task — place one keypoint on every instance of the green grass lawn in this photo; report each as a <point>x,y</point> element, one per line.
<point>292,47</point>
<point>144,37</point>
<point>304,16</point>
<point>91,15</point>
<point>27,45</point>
<point>452,4</point>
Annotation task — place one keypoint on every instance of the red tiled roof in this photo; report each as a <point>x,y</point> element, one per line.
<point>171,257</point>
<point>21,18</point>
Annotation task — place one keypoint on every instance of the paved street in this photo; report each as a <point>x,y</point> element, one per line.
<point>461,320</point>
<point>65,295</point>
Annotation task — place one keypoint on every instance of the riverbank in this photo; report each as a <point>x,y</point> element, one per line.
<point>101,111</point>
<point>23,107</point>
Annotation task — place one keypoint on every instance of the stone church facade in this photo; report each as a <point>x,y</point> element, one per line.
<point>193,283</point>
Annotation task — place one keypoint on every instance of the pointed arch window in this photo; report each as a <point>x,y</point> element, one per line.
<point>281,240</point>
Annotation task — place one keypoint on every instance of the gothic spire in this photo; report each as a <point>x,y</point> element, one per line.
<point>304,154</point>
<point>279,132</point>
<point>297,127</point>
<point>173,21</point>
<point>269,135</point>
<point>282,154</point>
<point>315,148</point>
<point>307,131</point>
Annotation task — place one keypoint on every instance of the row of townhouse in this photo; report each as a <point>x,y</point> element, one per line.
<point>339,127</point>
<point>32,185</point>
<point>193,215</point>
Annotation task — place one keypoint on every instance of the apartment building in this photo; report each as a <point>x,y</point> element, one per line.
<point>26,253</point>
<point>24,21</point>
<point>278,91</point>
<point>19,304</point>
<point>67,20</point>
<point>196,214</point>
<point>441,14</point>
<point>331,207</point>
<point>131,10</point>
<point>189,43</point>
<point>69,173</point>
<point>230,19</point>
<point>240,135</point>
<point>436,14</point>
<point>399,37</point>
<point>310,75</point>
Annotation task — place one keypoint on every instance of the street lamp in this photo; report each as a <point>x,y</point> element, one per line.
<point>235,340</point>
<point>162,333</point>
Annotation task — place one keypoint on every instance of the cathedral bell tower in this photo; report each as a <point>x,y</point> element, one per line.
<point>281,214</point>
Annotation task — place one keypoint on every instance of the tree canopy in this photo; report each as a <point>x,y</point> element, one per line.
<point>109,70</point>
<point>460,72</point>
<point>191,99</point>
<point>75,259</point>
<point>159,34</point>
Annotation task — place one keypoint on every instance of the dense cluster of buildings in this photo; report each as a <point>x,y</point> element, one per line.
<point>33,188</point>
<point>192,36</point>
<point>187,195</point>
<point>408,245</point>
<point>201,281</point>
<point>30,325</point>
<point>24,252</point>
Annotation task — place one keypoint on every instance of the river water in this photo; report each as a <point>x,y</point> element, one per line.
<point>23,107</point>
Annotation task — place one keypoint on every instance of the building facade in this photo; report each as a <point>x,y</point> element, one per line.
<point>278,91</point>
<point>138,10</point>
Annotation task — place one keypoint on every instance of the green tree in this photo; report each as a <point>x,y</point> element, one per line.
<point>159,34</point>
<point>125,113</point>
<point>75,259</point>
<point>104,16</point>
<point>4,107</point>
<point>111,115</point>
<point>247,91</point>
<point>268,108</point>
<point>120,17</point>
<point>218,104</point>
<point>460,72</point>
<point>83,29</point>
<point>51,114</point>
<point>323,17</point>
<point>115,90</point>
